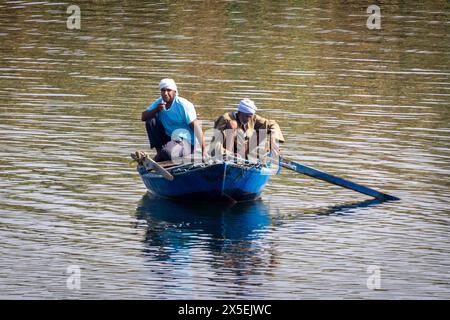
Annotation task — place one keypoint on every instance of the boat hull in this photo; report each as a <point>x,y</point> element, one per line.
<point>219,181</point>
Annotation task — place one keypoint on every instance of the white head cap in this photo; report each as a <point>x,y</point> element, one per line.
<point>247,106</point>
<point>167,84</point>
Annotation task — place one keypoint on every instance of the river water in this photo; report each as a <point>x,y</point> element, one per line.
<point>369,105</point>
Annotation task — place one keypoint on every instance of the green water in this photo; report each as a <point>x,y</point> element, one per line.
<point>371,106</point>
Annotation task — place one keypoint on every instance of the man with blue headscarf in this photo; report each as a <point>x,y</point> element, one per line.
<point>171,124</point>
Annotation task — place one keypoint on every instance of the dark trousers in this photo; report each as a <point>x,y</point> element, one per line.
<point>156,134</point>
<point>165,147</point>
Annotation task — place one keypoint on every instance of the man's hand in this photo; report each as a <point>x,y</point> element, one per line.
<point>161,106</point>
<point>232,124</point>
<point>204,154</point>
<point>148,114</point>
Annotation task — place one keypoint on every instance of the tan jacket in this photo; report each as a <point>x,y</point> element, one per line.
<point>253,126</point>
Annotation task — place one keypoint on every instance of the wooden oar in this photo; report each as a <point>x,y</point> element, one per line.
<point>314,173</point>
<point>144,159</point>
<point>150,162</point>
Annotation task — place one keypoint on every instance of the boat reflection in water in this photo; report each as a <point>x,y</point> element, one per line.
<point>223,250</point>
<point>224,236</point>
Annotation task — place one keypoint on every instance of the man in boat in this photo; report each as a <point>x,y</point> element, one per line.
<point>243,132</point>
<point>172,125</point>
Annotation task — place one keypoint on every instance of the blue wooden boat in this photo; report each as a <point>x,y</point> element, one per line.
<point>219,180</point>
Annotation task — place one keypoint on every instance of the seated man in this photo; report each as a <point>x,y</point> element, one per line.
<point>171,124</point>
<point>243,132</point>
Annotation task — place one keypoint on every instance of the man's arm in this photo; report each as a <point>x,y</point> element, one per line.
<point>274,130</point>
<point>149,114</point>
<point>228,129</point>
<point>199,135</point>
<point>276,136</point>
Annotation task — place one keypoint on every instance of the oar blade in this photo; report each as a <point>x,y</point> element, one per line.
<point>314,173</point>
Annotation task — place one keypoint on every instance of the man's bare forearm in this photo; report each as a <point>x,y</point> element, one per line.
<point>198,133</point>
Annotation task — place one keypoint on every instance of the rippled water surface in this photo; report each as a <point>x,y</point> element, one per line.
<point>371,106</point>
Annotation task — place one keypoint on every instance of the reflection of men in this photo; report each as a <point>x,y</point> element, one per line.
<point>170,122</point>
<point>247,130</point>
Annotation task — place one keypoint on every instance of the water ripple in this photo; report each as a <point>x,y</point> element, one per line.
<point>370,106</point>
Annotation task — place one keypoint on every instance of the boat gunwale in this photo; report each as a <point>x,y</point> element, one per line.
<point>202,166</point>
